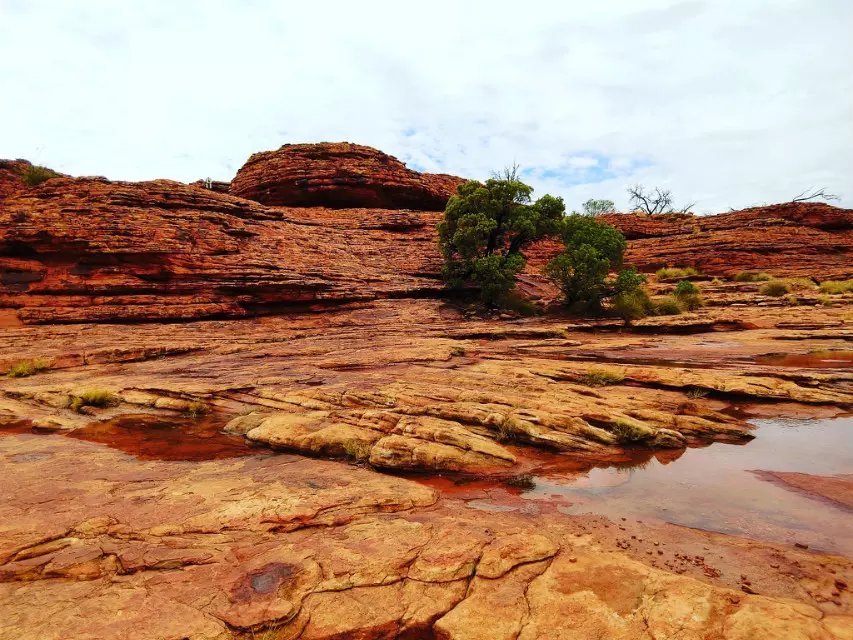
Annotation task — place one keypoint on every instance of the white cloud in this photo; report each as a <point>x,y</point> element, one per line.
<point>730,103</point>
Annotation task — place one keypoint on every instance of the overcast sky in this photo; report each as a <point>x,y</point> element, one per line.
<point>728,103</point>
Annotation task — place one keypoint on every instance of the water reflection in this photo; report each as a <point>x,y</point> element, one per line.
<point>151,437</point>
<point>714,488</point>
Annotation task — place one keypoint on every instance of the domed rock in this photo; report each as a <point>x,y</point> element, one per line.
<point>339,175</point>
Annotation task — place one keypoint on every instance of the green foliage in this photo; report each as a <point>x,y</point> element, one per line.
<point>595,207</point>
<point>666,306</point>
<point>696,393</point>
<point>457,351</point>
<point>687,295</point>
<point>685,288</point>
<point>591,249</point>
<point>35,175</point>
<point>775,288</point>
<point>26,368</point>
<point>632,305</point>
<point>92,398</point>
<point>676,273</point>
<point>486,227</point>
<point>752,276</point>
<point>629,433</point>
<point>601,378</point>
<point>628,280</point>
<point>835,287</point>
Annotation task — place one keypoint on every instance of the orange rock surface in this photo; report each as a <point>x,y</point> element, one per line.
<point>226,335</point>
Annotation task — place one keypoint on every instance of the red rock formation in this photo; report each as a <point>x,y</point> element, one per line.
<point>792,239</point>
<point>92,250</point>
<point>87,249</point>
<point>11,181</point>
<point>339,175</point>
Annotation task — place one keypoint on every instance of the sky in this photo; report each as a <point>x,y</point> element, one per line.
<point>728,103</point>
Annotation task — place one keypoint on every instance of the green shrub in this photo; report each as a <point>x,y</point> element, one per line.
<point>676,273</point>
<point>35,175</point>
<point>457,351</point>
<point>632,305</point>
<point>685,287</point>
<point>835,287</point>
<point>628,280</point>
<point>666,306</point>
<point>696,392</point>
<point>601,378</point>
<point>752,276</point>
<point>512,301</point>
<point>486,227</point>
<point>92,398</point>
<point>592,248</point>
<point>26,368</point>
<point>687,295</point>
<point>775,288</point>
<point>628,433</point>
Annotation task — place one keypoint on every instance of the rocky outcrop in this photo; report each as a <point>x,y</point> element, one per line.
<point>11,177</point>
<point>87,249</point>
<point>339,175</point>
<point>793,239</point>
<point>119,548</point>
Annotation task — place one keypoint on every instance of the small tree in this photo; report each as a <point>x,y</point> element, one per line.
<point>591,249</point>
<point>652,202</point>
<point>594,207</point>
<point>486,227</point>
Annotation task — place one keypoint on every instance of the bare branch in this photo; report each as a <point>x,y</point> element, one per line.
<point>652,203</point>
<point>814,194</point>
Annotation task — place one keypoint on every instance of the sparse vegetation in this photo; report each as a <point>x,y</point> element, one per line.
<point>35,175</point>
<point>752,276</point>
<point>632,305</point>
<point>687,295</point>
<point>631,302</point>
<point>836,287</point>
<point>628,433</point>
<point>457,351</point>
<point>696,393</point>
<point>486,227</point>
<point>92,398</point>
<point>197,409</point>
<point>775,288</point>
<point>601,378</point>
<point>676,273</point>
<point>358,450</point>
<point>507,432</point>
<point>524,481</point>
<point>666,306</point>
<point>26,368</point>
<point>800,284</point>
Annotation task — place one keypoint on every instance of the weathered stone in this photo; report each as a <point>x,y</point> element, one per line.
<point>339,175</point>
